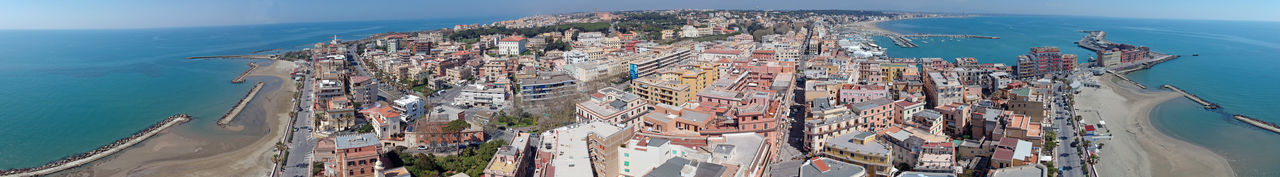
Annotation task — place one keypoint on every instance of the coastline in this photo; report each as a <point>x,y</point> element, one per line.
<point>245,151</point>
<point>1136,144</point>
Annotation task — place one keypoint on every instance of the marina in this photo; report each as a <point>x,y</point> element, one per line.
<point>269,57</point>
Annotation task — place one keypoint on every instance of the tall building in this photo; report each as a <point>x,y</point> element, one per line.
<point>363,90</point>
<point>862,148</point>
<point>1044,60</point>
<point>612,105</point>
<point>942,88</point>
<point>547,86</point>
<point>513,45</point>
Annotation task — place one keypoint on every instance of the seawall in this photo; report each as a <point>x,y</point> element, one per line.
<point>235,111</point>
<point>104,151</point>
<point>1121,76</point>
<point>240,79</point>
<point>1193,97</point>
<point>1258,123</point>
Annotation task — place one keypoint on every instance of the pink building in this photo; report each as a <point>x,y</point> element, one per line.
<point>874,115</point>
<point>851,94</point>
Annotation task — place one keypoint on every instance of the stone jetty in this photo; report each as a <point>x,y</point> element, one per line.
<point>1193,97</point>
<point>1259,123</point>
<point>240,79</point>
<point>104,151</point>
<point>235,111</point>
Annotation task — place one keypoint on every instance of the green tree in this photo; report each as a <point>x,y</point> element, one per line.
<point>365,129</point>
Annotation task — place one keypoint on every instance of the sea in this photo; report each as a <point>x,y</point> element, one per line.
<point>1238,67</point>
<point>65,92</point>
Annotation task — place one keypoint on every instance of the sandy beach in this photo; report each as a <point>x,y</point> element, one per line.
<point>1138,148</point>
<point>245,151</point>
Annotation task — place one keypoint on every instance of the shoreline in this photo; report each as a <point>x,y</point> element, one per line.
<point>190,151</point>
<point>1136,143</point>
<point>101,152</point>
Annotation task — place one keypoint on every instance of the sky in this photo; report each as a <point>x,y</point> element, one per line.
<point>126,14</point>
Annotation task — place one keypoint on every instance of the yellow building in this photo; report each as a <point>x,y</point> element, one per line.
<point>675,86</point>
<point>892,71</point>
<point>861,148</point>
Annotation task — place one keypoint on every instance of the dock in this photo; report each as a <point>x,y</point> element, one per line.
<point>1121,76</point>
<point>240,79</point>
<point>952,36</point>
<point>104,151</point>
<point>1193,97</point>
<point>902,41</point>
<point>269,57</point>
<point>1258,123</point>
<point>235,111</point>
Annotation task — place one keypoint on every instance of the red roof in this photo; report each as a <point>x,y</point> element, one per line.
<point>822,166</point>
<point>722,51</point>
<point>1089,128</point>
<point>513,39</point>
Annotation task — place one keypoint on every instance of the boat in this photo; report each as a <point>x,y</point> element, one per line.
<point>1195,54</point>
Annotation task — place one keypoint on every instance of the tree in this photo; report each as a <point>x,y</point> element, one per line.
<point>365,129</point>
<point>457,125</point>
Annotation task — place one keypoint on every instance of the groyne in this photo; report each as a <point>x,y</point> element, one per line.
<point>1258,123</point>
<point>269,57</point>
<point>1193,97</point>
<point>100,152</point>
<point>240,79</point>
<point>235,111</point>
<point>1121,76</point>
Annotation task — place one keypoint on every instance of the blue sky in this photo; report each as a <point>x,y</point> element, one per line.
<point>112,14</point>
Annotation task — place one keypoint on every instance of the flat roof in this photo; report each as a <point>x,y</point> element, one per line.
<point>355,140</point>
<point>845,141</point>
<point>815,166</point>
<point>571,156</point>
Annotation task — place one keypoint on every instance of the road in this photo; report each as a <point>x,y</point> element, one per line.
<point>298,162</point>
<point>1066,157</point>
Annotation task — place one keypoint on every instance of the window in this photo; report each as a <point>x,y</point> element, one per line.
<point>626,154</point>
<point>626,163</point>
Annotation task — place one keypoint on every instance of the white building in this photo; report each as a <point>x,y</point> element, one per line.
<point>576,56</point>
<point>612,105</point>
<point>411,106</point>
<point>513,45</point>
<point>689,31</point>
<point>591,38</point>
<point>480,95</point>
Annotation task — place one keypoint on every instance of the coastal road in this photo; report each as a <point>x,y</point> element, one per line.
<point>1066,157</point>
<point>298,162</point>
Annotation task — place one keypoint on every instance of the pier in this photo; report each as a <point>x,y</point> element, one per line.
<point>1093,40</point>
<point>1121,76</point>
<point>902,41</point>
<point>240,79</point>
<point>905,42</point>
<point>104,151</point>
<point>1193,97</point>
<point>1258,123</point>
<point>235,111</point>
<point>269,57</point>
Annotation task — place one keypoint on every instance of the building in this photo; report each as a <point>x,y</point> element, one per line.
<point>356,155</point>
<point>646,64</point>
<point>818,131</point>
<point>942,88</point>
<point>583,149</point>
<point>675,86</point>
<point>410,106</point>
<point>514,45</point>
<point>433,134</point>
<point>385,120</point>
<point>924,174</point>
<point>1029,101</point>
<point>851,94</point>
<point>928,120</point>
<point>862,148</point>
<point>1044,60</point>
<point>1013,152</point>
<point>1032,170</point>
<point>612,105</point>
<point>546,87</point>
<point>874,115</point>
<point>482,96</point>
<point>512,160</point>
<point>363,90</point>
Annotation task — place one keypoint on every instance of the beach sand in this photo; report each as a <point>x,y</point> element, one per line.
<point>1138,148</point>
<point>246,151</point>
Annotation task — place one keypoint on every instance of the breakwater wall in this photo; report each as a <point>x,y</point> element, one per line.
<point>1121,76</point>
<point>100,152</point>
<point>235,57</point>
<point>1258,123</point>
<point>240,79</point>
<point>1157,59</point>
<point>235,111</point>
<point>902,41</point>
<point>1193,97</point>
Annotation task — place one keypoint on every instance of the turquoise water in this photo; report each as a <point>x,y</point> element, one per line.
<point>1237,68</point>
<point>69,91</point>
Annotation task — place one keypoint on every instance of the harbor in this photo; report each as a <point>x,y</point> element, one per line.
<point>104,151</point>
<point>1258,123</point>
<point>904,41</point>
<point>1193,97</point>
<point>240,79</point>
<point>235,111</point>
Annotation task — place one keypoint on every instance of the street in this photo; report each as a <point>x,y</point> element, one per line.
<point>1067,158</point>
<point>298,163</point>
